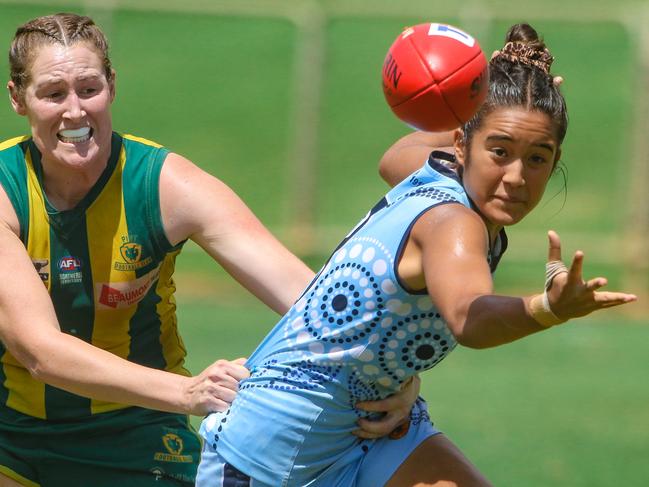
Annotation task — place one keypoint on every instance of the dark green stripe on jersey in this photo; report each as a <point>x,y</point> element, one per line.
<point>108,270</point>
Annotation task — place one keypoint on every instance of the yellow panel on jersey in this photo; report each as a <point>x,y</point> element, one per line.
<point>142,140</point>
<point>173,348</point>
<point>106,224</point>
<point>107,264</point>
<point>12,142</point>
<point>26,394</point>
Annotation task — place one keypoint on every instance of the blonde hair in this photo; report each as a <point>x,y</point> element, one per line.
<point>65,29</point>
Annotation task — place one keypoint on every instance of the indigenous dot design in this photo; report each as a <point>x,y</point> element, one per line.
<point>419,414</point>
<point>356,334</point>
<point>359,388</point>
<point>432,193</point>
<point>301,375</point>
<point>411,343</point>
<point>346,302</point>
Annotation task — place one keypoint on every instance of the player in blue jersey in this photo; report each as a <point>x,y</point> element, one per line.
<point>407,284</point>
<point>90,224</point>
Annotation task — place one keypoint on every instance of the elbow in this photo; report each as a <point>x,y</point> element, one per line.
<point>35,359</point>
<point>384,170</point>
<point>464,336</point>
<point>38,368</point>
<point>466,340</point>
<point>42,372</point>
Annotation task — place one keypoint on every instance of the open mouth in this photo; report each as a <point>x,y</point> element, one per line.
<point>75,136</point>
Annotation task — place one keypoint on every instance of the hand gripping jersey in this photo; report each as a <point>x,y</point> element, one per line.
<point>356,334</point>
<point>106,263</point>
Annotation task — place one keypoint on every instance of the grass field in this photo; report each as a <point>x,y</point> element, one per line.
<point>567,407</point>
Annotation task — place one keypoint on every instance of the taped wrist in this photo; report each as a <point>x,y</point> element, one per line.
<point>541,311</point>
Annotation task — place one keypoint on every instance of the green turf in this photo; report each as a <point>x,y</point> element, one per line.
<point>566,407</point>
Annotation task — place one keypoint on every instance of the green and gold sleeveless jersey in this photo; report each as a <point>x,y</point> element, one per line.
<point>106,263</point>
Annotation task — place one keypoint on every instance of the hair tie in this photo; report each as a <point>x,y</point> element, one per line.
<point>519,52</point>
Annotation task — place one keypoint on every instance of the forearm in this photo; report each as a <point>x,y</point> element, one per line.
<point>91,372</point>
<point>491,320</point>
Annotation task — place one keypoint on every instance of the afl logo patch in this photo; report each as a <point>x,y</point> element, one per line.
<point>69,264</point>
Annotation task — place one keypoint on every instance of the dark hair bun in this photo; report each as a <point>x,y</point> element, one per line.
<point>523,45</point>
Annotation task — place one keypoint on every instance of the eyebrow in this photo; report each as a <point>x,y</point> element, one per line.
<point>543,145</point>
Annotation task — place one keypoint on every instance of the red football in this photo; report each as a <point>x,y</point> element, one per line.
<point>435,77</point>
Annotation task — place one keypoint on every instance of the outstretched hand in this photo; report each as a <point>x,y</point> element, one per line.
<point>215,388</point>
<point>570,295</point>
<point>396,408</point>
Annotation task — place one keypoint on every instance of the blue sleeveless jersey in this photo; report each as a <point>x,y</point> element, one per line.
<point>356,334</point>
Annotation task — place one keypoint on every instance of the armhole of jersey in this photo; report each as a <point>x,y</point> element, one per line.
<point>20,205</point>
<point>152,191</point>
<point>402,246</point>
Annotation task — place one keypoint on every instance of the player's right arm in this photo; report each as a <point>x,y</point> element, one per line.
<point>30,332</point>
<point>410,152</point>
<point>452,241</point>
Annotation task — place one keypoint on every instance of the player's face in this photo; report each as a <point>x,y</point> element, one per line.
<point>508,164</point>
<point>67,103</point>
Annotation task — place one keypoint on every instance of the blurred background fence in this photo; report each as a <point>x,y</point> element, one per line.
<point>282,100</point>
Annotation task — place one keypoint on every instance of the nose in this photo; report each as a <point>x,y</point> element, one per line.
<point>514,173</point>
<point>73,107</point>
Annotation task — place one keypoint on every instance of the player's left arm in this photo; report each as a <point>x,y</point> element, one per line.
<point>198,206</point>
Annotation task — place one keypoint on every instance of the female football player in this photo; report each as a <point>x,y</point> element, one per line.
<point>409,282</point>
<point>91,222</point>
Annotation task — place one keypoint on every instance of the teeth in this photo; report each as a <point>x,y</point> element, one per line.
<point>69,133</point>
<point>75,136</point>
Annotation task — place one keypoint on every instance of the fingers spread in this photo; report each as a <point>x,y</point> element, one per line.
<point>554,246</point>
<point>596,283</point>
<point>576,268</point>
<point>606,299</point>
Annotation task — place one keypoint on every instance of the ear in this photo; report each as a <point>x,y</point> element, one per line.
<point>460,146</point>
<point>111,85</point>
<point>557,156</point>
<point>17,99</point>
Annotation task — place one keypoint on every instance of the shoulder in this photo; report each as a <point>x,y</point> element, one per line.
<point>8,214</point>
<point>13,180</point>
<point>191,199</point>
<point>454,223</point>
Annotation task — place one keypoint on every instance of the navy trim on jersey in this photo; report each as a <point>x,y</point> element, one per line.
<point>434,161</point>
<point>234,478</point>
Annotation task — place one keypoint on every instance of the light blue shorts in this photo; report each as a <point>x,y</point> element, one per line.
<point>371,463</point>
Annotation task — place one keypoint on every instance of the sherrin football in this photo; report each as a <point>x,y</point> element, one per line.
<point>435,77</point>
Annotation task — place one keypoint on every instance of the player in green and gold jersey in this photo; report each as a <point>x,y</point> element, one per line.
<point>92,385</point>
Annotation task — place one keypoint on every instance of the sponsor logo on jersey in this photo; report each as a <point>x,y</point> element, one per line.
<point>43,268</point>
<point>174,445</point>
<point>123,294</point>
<point>69,270</point>
<point>131,253</point>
